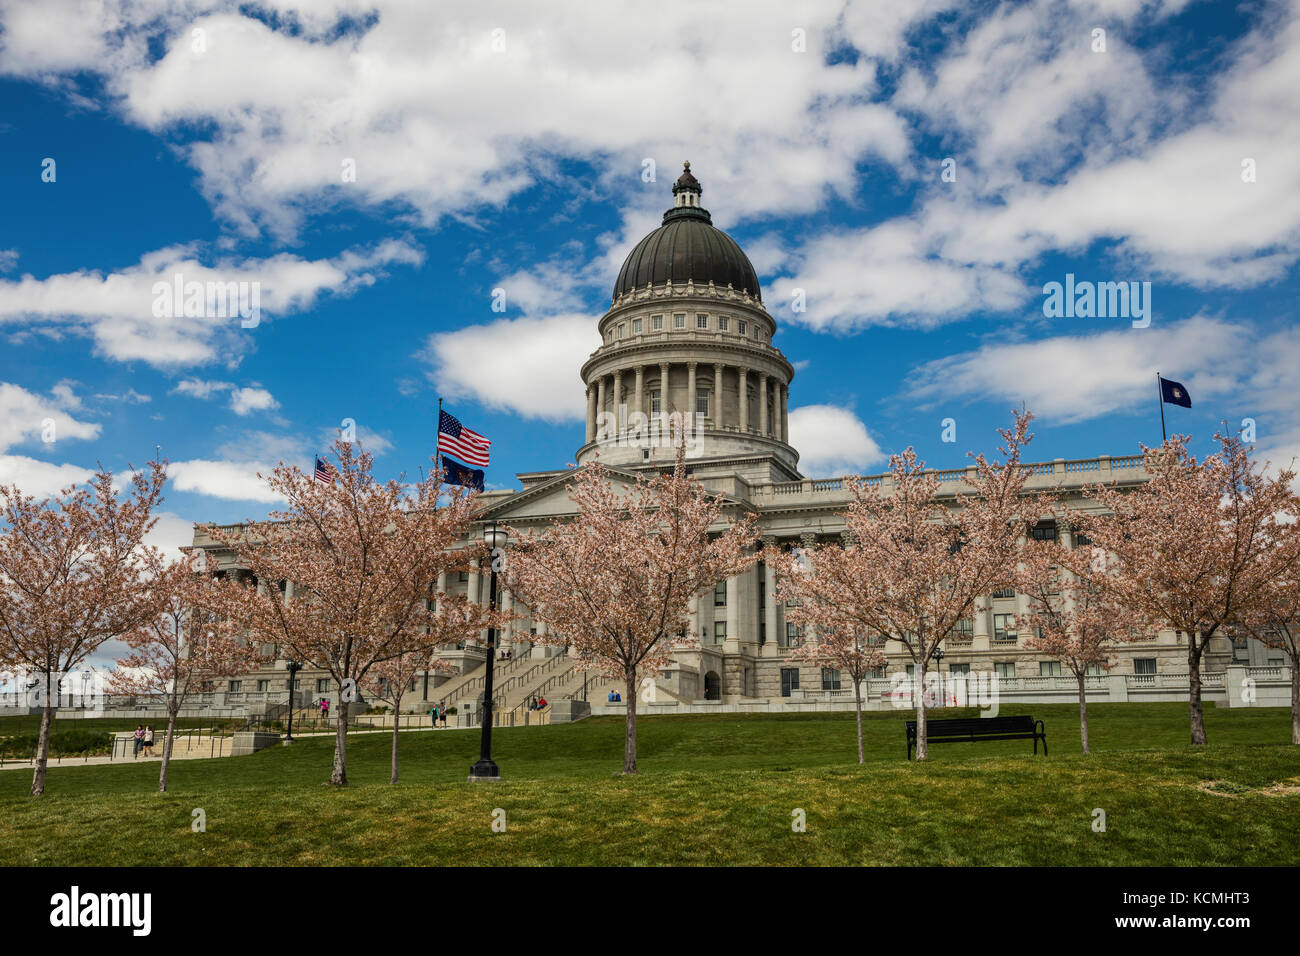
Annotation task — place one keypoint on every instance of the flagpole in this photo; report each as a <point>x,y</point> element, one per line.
<point>437,455</point>
<point>1160,396</point>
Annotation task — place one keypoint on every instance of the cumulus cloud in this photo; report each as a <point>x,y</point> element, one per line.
<point>26,416</point>
<point>832,441</point>
<point>527,365</point>
<point>118,310</point>
<point>232,480</point>
<point>1071,378</point>
<point>39,478</point>
<point>415,94</point>
<point>244,401</point>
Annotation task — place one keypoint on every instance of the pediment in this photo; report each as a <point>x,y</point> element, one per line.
<point>545,500</point>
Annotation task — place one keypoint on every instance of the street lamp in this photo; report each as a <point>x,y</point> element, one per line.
<point>486,769</point>
<point>293,667</point>
<point>938,672</point>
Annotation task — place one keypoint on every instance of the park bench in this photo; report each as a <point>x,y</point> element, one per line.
<point>971,729</point>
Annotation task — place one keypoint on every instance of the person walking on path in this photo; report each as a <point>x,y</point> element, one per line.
<point>324,708</point>
<point>148,741</point>
<point>139,740</point>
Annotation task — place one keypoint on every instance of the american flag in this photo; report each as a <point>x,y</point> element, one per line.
<point>324,471</point>
<point>455,439</point>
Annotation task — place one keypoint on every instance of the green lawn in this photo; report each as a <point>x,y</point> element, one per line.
<point>712,790</point>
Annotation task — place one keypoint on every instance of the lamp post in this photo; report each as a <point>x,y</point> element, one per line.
<point>938,673</point>
<point>486,769</point>
<point>293,667</point>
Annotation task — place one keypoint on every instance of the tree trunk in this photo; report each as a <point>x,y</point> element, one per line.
<point>43,744</point>
<point>629,741</point>
<point>1083,713</point>
<point>922,750</point>
<point>339,778</point>
<point>1295,700</point>
<point>1194,689</point>
<point>857,706</point>
<point>167,749</point>
<point>397,719</point>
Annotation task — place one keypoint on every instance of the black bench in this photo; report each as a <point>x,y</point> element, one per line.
<point>971,729</point>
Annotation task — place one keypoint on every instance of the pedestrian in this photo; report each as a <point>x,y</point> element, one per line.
<point>324,708</point>
<point>442,713</point>
<point>433,716</point>
<point>139,740</point>
<point>148,741</point>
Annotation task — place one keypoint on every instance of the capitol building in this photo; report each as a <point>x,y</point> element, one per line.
<point>687,332</point>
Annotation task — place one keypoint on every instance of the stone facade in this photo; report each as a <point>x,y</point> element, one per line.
<point>689,345</point>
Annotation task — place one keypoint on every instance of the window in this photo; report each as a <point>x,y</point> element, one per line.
<point>830,679</point>
<point>789,680</point>
<point>758,332</point>
<point>1049,668</point>
<point>792,633</point>
<point>1004,628</point>
<point>740,326</point>
<point>1144,666</point>
<point>1005,593</point>
<point>1080,539</point>
<point>876,672</point>
<point>723,323</point>
<point>720,594</point>
<point>719,631</point>
<point>964,632</point>
<point>1004,668</point>
<point>702,402</point>
<point>622,330</point>
<point>958,670</point>
<point>1044,532</point>
<point>679,320</point>
<point>654,401</point>
<point>701,320</point>
<point>1095,670</point>
<point>636,326</point>
<point>236,686</point>
<point>656,323</point>
<point>322,685</point>
<point>263,686</point>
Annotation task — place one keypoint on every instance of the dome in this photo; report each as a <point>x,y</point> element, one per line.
<point>687,246</point>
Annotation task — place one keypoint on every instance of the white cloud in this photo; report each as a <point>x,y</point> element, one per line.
<point>235,481</point>
<point>243,401</point>
<point>832,441</point>
<point>39,478</point>
<point>117,310</point>
<point>170,534</point>
<point>1071,378</point>
<point>417,96</point>
<point>23,416</point>
<point>200,388</point>
<point>527,365</point>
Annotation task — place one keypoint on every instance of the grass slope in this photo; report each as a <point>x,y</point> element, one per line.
<point>713,790</point>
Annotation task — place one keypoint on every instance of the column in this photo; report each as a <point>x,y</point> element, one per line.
<point>442,589</point>
<point>506,600</point>
<point>772,648</point>
<point>981,632</point>
<point>600,404</point>
<point>716,407</point>
<point>618,402</point>
<point>695,622</point>
<point>690,388</point>
<point>591,414</point>
<point>663,388</point>
<point>640,389</point>
<point>733,614</point>
<point>762,403</point>
<point>741,375</point>
<point>785,413</point>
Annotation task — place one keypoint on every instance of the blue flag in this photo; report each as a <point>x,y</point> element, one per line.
<point>458,474</point>
<point>1173,393</point>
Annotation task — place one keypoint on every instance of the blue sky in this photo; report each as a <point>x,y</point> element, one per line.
<point>505,146</point>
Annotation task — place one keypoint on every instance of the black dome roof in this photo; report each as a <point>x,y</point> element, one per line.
<point>687,246</point>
